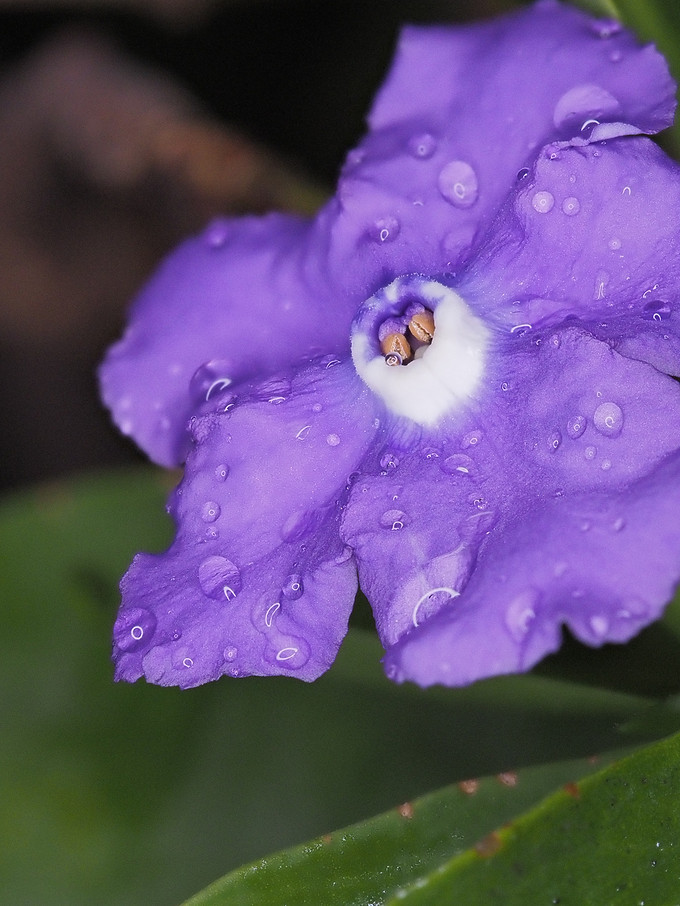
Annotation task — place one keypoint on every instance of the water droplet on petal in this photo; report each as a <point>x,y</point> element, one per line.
<point>293,587</point>
<point>134,628</point>
<point>422,146</point>
<point>271,613</point>
<point>458,184</point>
<point>210,380</point>
<point>188,662</point>
<point>394,520</point>
<point>543,202</point>
<point>554,440</point>
<point>520,615</point>
<point>385,229</point>
<point>230,653</point>
<point>656,310</point>
<point>221,472</point>
<point>216,233</point>
<point>590,452</point>
<point>333,440</point>
<point>472,438</point>
<point>608,419</point>
<point>303,432</point>
<point>219,578</point>
<point>576,425</point>
<point>584,102</point>
<point>614,244</point>
<point>458,464</point>
<point>522,174</point>
<point>210,511</point>
<point>571,206</point>
<point>286,654</point>
<point>619,524</point>
<point>388,462</point>
<point>599,625</point>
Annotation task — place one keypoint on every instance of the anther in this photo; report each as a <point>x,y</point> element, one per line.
<point>396,349</point>
<point>421,326</point>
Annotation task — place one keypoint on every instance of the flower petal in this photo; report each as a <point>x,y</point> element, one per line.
<point>257,580</point>
<point>504,529</point>
<point>238,301</point>
<point>450,130</point>
<point>593,235</point>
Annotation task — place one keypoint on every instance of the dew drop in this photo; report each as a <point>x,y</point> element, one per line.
<point>385,229</point>
<point>571,206</point>
<point>210,511</point>
<point>422,146</point>
<point>619,524</point>
<point>394,520</point>
<point>188,662</point>
<point>543,202</point>
<point>230,653</point>
<point>472,438</point>
<point>219,578</point>
<point>389,462</point>
<point>576,425</point>
<point>522,174</point>
<point>271,613</point>
<point>216,233</point>
<point>134,628</point>
<point>293,587</point>
<point>608,419</point>
<point>286,654</point>
<point>582,103</point>
<point>599,625</point>
<point>303,432</point>
<point>520,615</point>
<point>222,472</point>
<point>458,464</point>
<point>606,465</point>
<point>333,440</point>
<point>614,244</point>
<point>458,184</point>
<point>210,380</point>
<point>554,440</point>
<point>656,310</point>
<point>590,452</point>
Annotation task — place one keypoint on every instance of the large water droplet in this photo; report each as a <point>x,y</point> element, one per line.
<point>394,520</point>
<point>293,587</point>
<point>210,380</point>
<point>543,201</point>
<point>422,146</point>
<point>576,425</point>
<point>134,628</point>
<point>458,464</point>
<point>458,184</point>
<point>582,103</point>
<point>219,578</point>
<point>656,310</point>
<point>608,419</point>
<point>210,511</point>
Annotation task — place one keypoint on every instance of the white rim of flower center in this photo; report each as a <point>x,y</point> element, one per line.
<point>447,373</point>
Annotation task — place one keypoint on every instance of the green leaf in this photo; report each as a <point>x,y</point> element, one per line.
<point>611,837</point>
<point>120,794</point>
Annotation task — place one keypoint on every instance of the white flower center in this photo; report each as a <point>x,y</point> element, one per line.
<point>442,376</point>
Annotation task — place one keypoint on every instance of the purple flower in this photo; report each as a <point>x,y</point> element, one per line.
<point>455,379</point>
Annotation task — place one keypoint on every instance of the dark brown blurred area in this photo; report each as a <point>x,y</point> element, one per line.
<point>125,126</point>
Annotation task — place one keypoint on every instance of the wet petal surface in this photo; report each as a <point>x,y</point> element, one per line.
<point>567,492</point>
<point>257,580</point>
